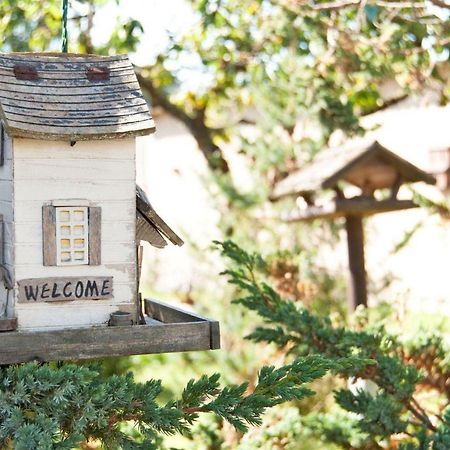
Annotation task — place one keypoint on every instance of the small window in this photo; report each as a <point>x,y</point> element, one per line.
<point>72,236</point>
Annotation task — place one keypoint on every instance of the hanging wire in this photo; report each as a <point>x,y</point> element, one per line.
<point>65,34</point>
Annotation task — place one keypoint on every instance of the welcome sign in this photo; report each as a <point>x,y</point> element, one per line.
<point>60,289</point>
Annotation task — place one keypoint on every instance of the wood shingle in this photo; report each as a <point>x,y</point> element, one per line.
<point>71,97</point>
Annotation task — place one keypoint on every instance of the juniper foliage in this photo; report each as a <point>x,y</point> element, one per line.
<point>394,413</point>
<point>47,407</point>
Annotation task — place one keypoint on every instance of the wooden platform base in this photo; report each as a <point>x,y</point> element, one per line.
<point>168,329</point>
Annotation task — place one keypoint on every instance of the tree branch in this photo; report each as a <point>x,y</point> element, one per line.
<point>341,4</point>
<point>441,3</point>
<point>196,125</point>
<point>333,6</point>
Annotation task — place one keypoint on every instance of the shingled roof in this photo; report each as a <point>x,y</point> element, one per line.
<point>71,97</point>
<point>335,164</point>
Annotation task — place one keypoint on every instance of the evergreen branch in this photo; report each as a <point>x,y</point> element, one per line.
<point>395,371</point>
<point>41,406</point>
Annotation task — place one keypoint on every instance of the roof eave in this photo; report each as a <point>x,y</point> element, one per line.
<point>414,173</point>
<point>20,133</point>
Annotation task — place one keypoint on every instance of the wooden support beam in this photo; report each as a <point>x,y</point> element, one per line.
<point>348,207</point>
<point>396,186</point>
<point>355,243</point>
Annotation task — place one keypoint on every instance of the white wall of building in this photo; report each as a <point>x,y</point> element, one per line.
<point>101,172</point>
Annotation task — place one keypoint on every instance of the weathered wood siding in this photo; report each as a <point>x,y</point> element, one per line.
<point>7,211</point>
<point>100,172</point>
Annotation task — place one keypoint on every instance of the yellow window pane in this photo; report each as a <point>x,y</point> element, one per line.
<point>64,216</point>
<point>65,243</point>
<point>65,230</point>
<point>78,215</point>
<point>65,256</point>
<point>79,243</point>
<point>78,230</point>
<point>79,256</point>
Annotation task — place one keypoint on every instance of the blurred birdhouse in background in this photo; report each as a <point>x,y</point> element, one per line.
<point>353,182</point>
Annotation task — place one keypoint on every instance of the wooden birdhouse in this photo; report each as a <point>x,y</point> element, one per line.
<point>72,217</point>
<point>372,173</point>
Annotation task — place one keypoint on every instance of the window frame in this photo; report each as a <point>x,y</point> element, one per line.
<point>50,235</point>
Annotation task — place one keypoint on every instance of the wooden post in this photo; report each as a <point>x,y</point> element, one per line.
<point>355,243</point>
<point>139,256</point>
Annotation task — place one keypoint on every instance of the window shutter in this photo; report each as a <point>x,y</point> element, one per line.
<point>2,144</point>
<point>49,235</point>
<point>2,241</point>
<point>95,236</point>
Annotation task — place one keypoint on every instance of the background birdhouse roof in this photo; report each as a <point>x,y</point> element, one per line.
<point>335,164</point>
<point>71,97</point>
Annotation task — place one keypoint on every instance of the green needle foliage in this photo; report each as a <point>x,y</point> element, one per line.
<point>389,407</point>
<point>45,407</point>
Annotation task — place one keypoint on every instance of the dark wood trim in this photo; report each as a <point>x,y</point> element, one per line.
<point>2,241</point>
<point>148,213</point>
<point>215,335</point>
<point>2,144</point>
<point>396,186</point>
<point>145,231</point>
<point>49,235</point>
<point>95,235</point>
<point>164,312</point>
<point>170,314</point>
<point>363,206</point>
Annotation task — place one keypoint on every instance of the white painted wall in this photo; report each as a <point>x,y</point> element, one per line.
<point>102,172</point>
<point>6,210</point>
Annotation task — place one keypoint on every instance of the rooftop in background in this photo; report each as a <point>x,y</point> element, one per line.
<point>57,96</point>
